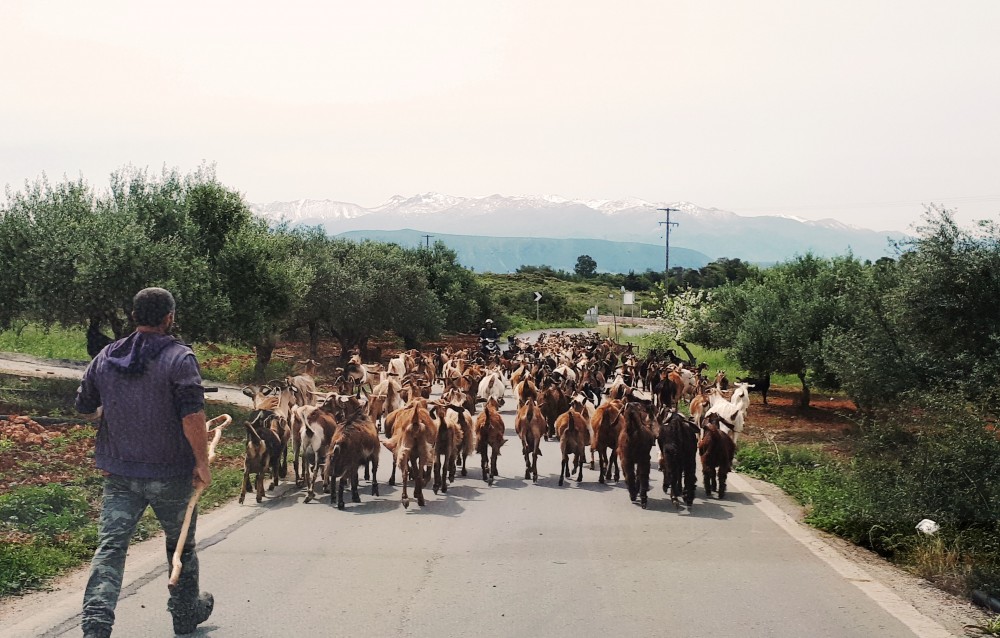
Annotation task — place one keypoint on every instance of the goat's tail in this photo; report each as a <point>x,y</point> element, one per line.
<point>252,434</point>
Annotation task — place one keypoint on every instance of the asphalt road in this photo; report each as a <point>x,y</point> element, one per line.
<point>515,559</point>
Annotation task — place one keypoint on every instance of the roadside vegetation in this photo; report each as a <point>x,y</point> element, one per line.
<point>913,343</point>
<point>50,491</point>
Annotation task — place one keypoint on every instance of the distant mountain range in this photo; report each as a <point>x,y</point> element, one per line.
<point>506,254</point>
<point>713,232</point>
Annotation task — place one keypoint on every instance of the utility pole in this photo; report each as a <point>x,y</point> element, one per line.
<point>427,238</point>
<point>666,246</point>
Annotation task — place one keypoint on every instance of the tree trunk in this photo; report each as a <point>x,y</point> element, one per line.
<point>692,360</point>
<point>264,349</point>
<point>314,340</point>
<point>804,400</point>
<point>117,326</point>
<point>348,342</point>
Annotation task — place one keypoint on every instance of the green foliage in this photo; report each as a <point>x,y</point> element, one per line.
<point>47,509</point>
<point>585,266</point>
<point>26,566</point>
<point>928,319</point>
<point>464,301</point>
<point>776,321</point>
<point>39,396</point>
<point>940,462</point>
<point>53,342</point>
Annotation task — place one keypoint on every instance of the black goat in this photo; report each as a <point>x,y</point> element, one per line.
<point>760,384</point>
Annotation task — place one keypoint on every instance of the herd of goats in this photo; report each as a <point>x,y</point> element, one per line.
<point>580,390</point>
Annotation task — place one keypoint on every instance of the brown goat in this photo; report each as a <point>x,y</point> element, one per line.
<point>526,390</point>
<point>553,402</point>
<point>262,449</point>
<point>571,427</point>
<point>447,444</point>
<point>530,427</point>
<point>460,400</point>
<point>355,442</point>
<point>634,443</point>
<point>414,433</point>
<point>489,438</point>
<point>315,433</point>
<point>717,451</point>
<point>607,424</point>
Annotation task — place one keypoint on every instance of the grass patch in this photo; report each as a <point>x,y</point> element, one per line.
<point>49,525</point>
<point>50,396</point>
<point>520,324</point>
<point>51,343</point>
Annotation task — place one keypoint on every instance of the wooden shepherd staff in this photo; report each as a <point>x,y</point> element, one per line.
<point>215,426</point>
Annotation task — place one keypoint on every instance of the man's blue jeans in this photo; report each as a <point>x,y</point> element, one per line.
<point>125,500</point>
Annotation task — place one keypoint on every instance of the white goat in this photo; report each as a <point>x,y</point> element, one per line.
<point>733,410</point>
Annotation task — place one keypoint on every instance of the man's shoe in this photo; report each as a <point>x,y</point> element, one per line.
<point>97,633</point>
<point>186,621</point>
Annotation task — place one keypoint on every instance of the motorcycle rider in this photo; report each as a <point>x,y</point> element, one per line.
<point>487,335</point>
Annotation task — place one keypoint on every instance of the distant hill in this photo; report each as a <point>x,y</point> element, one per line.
<point>506,254</point>
<point>712,232</point>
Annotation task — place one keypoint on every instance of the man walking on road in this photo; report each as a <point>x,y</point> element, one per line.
<point>152,448</point>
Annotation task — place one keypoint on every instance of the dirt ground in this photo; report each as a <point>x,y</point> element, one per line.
<point>829,422</point>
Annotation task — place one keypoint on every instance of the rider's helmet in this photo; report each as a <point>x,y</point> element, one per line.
<point>489,321</point>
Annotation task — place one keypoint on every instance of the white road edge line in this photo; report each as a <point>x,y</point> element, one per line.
<point>887,599</point>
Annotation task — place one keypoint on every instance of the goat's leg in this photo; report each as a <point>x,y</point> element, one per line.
<point>392,475</point>
<point>603,461</point>
<point>311,483</point>
<point>404,471</point>
<point>563,468</point>
<point>644,482</point>
<point>493,461</point>
<point>418,480</point>
<point>341,484</point>
<point>723,473</point>
<point>355,497</point>
<point>579,459</point>
<point>614,461</point>
<point>295,463</point>
<point>367,475</point>
<point>527,463</point>
<point>690,480</point>
<point>375,473</point>
<point>465,455</point>
<point>534,464</point>
<point>629,469</point>
<point>260,485</point>
<point>708,474</point>
<point>245,484</point>
<point>484,462</point>
<point>436,486</point>
<point>592,457</point>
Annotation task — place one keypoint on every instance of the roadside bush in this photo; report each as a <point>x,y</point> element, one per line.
<point>24,566</point>
<point>45,509</point>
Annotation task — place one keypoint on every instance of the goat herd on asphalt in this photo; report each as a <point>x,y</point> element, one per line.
<point>579,390</point>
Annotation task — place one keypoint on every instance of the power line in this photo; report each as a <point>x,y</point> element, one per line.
<point>427,238</point>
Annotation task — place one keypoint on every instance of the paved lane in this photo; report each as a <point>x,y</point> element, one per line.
<point>515,559</point>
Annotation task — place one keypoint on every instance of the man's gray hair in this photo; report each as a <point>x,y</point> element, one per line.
<point>151,305</point>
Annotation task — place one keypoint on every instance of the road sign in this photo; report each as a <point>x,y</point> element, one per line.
<point>628,299</point>
<point>538,296</point>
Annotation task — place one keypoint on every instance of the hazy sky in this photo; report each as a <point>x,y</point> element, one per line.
<point>857,110</point>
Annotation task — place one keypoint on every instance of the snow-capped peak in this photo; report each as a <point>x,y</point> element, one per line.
<point>421,204</point>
